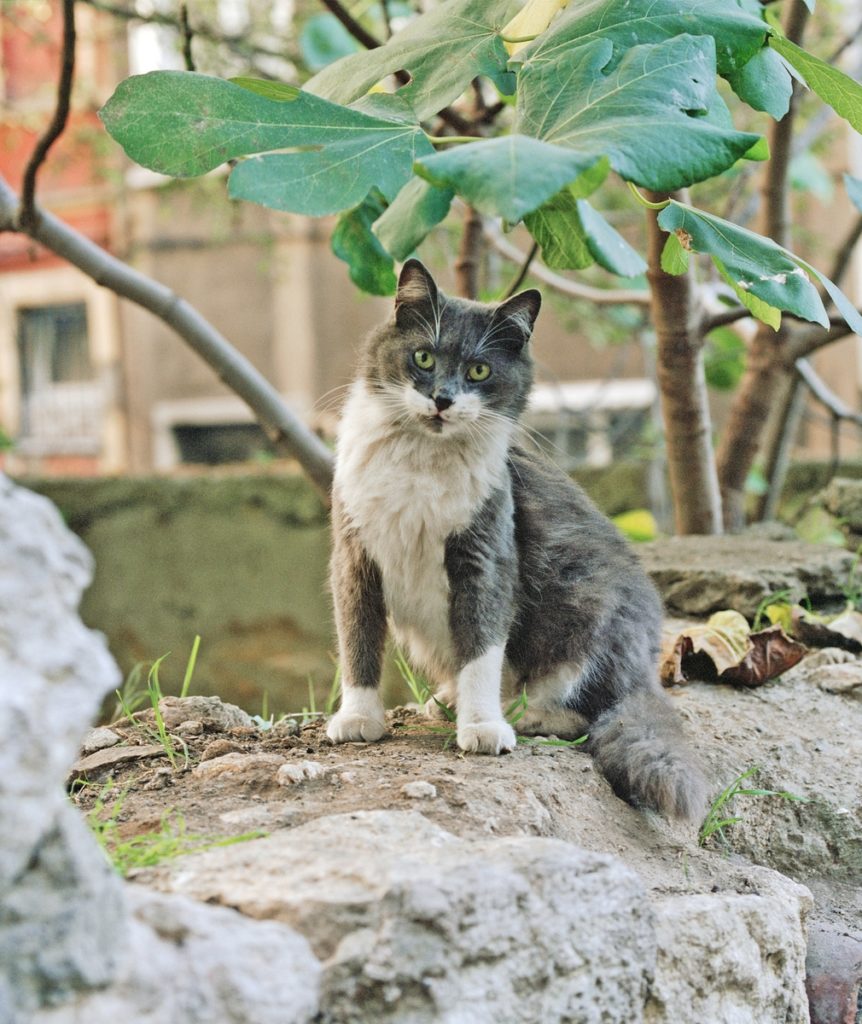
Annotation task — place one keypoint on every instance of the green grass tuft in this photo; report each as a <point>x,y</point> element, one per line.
<point>719,816</point>
<point>171,839</point>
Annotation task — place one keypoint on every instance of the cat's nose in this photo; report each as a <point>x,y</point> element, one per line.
<point>442,401</point>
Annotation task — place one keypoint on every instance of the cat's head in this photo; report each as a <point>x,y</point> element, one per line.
<point>446,365</point>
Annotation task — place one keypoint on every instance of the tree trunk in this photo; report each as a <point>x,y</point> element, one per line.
<point>758,390</point>
<point>778,447</point>
<point>766,365</point>
<point>469,255</point>
<point>681,380</point>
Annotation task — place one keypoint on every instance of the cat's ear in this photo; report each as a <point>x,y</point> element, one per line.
<point>514,318</point>
<point>416,295</point>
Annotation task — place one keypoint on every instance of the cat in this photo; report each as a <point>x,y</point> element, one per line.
<point>495,571</point>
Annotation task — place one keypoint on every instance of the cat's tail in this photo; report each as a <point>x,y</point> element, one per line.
<point>639,747</point>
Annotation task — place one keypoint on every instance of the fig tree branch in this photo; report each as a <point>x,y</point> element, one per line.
<point>825,395</point>
<point>238,44</point>
<point>27,213</point>
<point>462,125</point>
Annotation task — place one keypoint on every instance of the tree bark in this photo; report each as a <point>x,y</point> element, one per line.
<point>469,255</point>
<point>284,428</point>
<point>765,367</point>
<point>780,435</point>
<point>682,384</point>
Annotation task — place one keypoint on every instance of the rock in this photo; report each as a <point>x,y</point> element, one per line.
<point>834,975</point>
<point>731,958</point>
<point>291,774</point>
<point>701,575</point>
<point>218,748</point>
<point>243,768</point>
<point>286,727</point>
<point>161,779</point>
<point>191,727</point>
<point>414,924</point>
<point>104,760</point>
<point>809,744</point>
<point>99,739</point>
<point>201,965</point>
<point>419,790</point>
<point>845,678</point>
<point>843,499</point>
<point>61,911</point>
<point>213,714</point>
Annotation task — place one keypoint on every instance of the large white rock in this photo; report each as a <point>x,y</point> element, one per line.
<point>76,945</point>
<point>732,958</point>
<point>415,925</point>
<point>61,915</point>
<point>200,965</point>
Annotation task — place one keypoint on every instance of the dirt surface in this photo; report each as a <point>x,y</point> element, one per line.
<point>805,741</point>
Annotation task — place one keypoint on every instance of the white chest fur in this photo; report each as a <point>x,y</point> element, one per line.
<point>405,493</point>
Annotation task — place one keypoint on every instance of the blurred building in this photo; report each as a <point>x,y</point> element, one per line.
<point>92,384</point>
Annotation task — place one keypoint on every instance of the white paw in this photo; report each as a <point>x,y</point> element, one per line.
<point>487,737</point>
<point>434,708</point>
<point>347,727</point>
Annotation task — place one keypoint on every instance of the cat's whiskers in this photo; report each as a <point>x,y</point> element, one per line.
<point>329,398</point>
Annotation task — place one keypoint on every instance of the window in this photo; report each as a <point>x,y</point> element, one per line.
<point>218,443</point>
<point>61,402</point>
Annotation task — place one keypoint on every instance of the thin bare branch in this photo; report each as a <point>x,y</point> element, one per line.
<point>460,124</point>
<point>807,342</point>
<point>355,28</point>
<point>387,17</point>
<point>186,37</point>
<point>285,429</point>
<point>845,44</point>
<point>27,210</point>
<point>825,395</point>
<point>521,275</point>
<point>600,296</point>
<point>845,251</point>
<point>238,44</point>
<point>727,316</point>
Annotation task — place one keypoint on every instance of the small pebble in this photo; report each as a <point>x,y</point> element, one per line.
<point>160,780</point>
<point>218,748</point>
<point>291,774</point>
<point>191,727</point>
<point>419,790</point>
<point>99,739</point>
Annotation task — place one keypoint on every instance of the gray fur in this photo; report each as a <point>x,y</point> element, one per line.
<point>360,612</point>
<point>538,570</point>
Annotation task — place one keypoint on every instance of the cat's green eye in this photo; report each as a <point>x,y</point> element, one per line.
<point>479,372</point>
<point>423,359</point>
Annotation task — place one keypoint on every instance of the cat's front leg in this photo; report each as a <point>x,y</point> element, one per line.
<point>360,619</point>
<point>481,566</point>
<point>482,729</point>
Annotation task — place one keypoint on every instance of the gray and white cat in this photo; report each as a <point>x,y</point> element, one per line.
<point>494,571</point>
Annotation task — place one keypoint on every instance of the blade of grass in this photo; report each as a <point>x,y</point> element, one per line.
<point>190,667</point>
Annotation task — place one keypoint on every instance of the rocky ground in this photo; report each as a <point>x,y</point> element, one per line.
<point>232,778</point>
<point>403,882</point>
